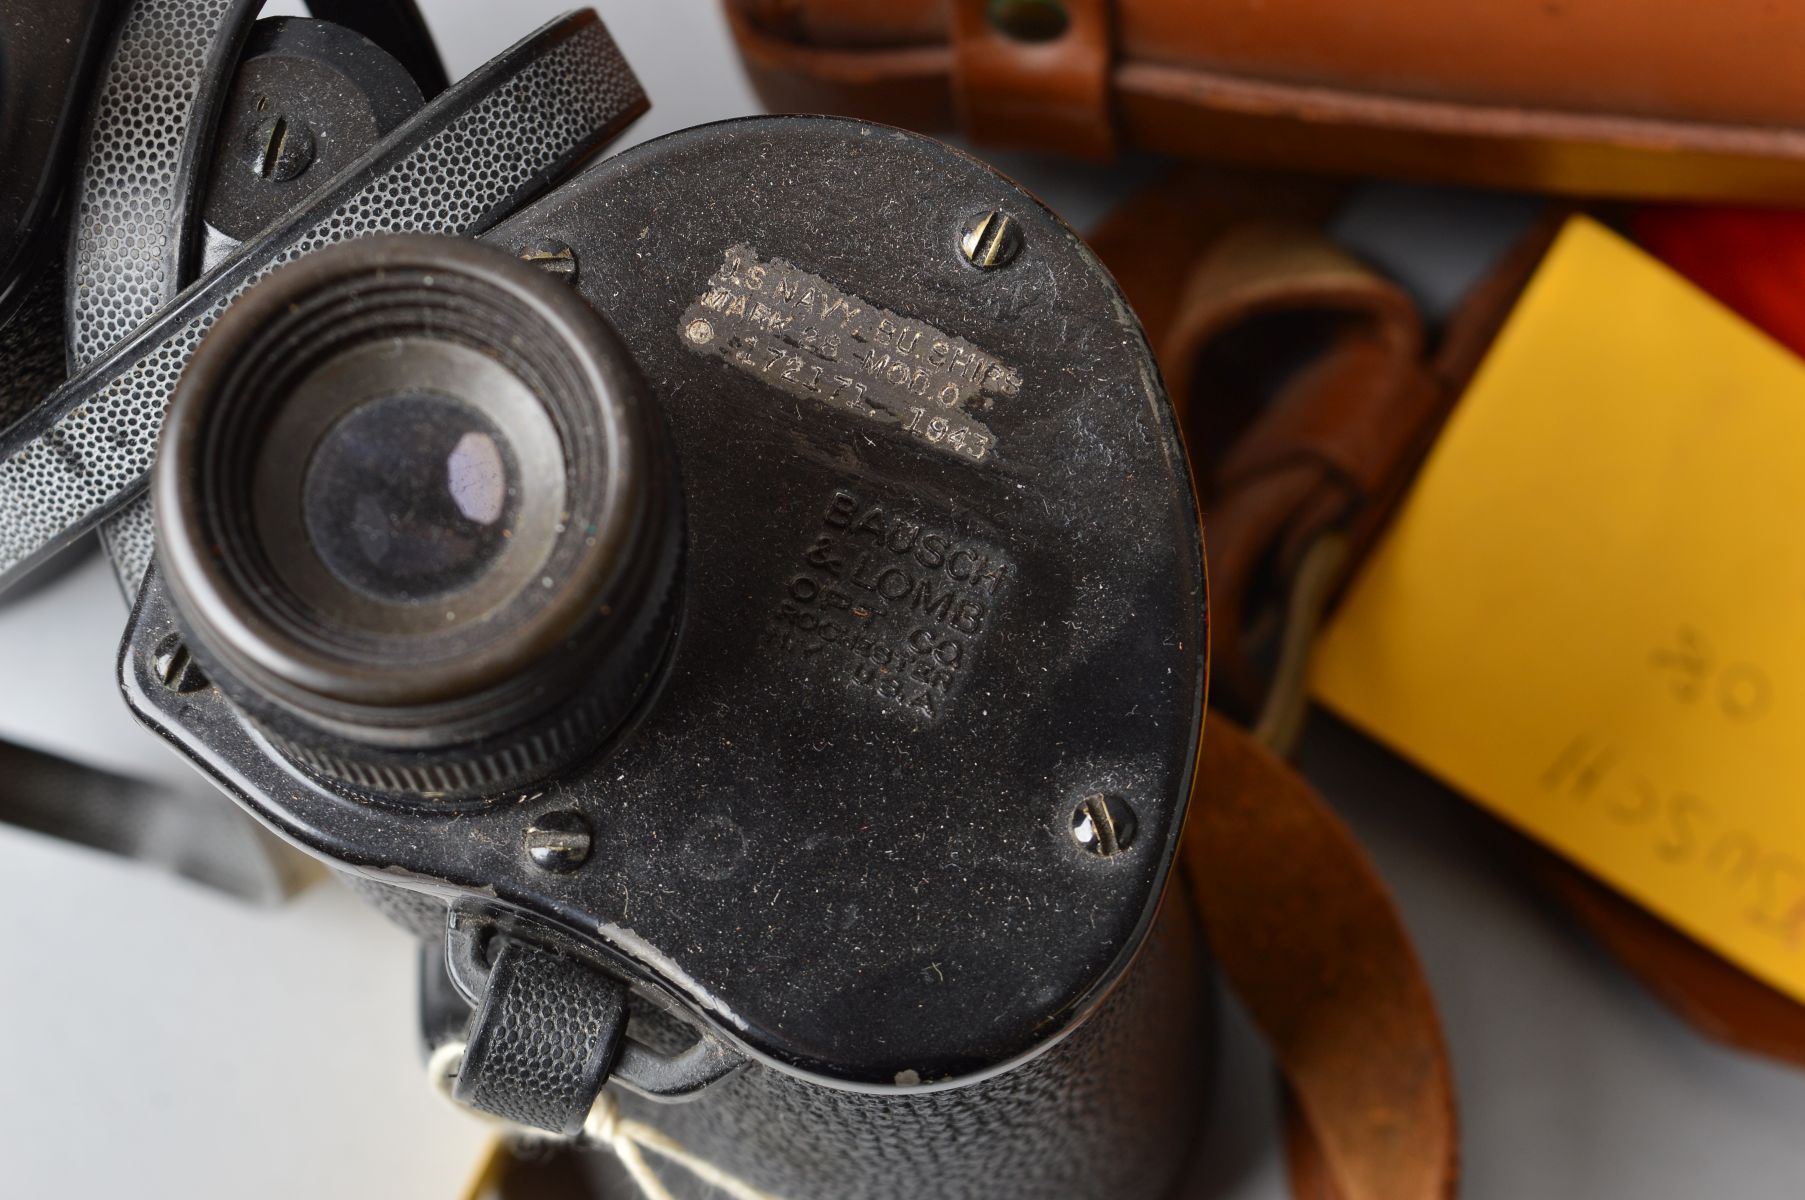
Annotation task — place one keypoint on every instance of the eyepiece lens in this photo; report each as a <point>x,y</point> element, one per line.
<point>410,497</point>
<point>418,519</point>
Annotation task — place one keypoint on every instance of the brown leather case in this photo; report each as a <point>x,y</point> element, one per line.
<point>1652,98</point>
<point>1305,385</point>
<point>1232,274</point>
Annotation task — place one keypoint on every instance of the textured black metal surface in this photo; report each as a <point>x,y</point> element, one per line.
<point>336,93</point>
<point>834,877</point>
<point>1110,1113</point>
<point>418,913</point>
<point>396,26</point>
<point>135,241</point>
<point>150,124</point>
<point>542,1040</point>
<point>48,51</point>
<point>132,246</point>
<point>494,140</point>
<point>137,192</point>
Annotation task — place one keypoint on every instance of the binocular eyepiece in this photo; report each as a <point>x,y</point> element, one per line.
<point>420,518</point>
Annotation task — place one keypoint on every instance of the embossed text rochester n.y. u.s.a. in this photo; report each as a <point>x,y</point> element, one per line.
<point>810,339</point>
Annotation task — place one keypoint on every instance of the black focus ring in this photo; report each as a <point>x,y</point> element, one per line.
<point>486,772</point>
<point>473,771</point>
<point>467,694</point>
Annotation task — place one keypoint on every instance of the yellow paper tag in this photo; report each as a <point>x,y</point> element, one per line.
<point>1590,613</point>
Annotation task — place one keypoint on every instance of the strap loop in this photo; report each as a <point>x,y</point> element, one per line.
<point>543,1039</point>
<point>1051,94</point>
<point>605,1126</point>
<point>1307,935</point>
<point>1287,702</point>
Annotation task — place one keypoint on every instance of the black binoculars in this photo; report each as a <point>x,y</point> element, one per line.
<point>739,602</point>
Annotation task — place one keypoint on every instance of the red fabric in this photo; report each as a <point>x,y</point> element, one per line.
<point>1752,259</point>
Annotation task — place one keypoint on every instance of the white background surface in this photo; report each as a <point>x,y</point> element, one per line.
<point>158,1040</point>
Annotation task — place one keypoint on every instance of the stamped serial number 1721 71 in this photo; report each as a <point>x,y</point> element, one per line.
<point>808,338</point>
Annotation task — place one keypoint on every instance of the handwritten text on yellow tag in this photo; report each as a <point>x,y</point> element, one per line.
<point>1590,614</point>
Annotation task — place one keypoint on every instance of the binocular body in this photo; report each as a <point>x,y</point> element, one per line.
<point>744,611</point>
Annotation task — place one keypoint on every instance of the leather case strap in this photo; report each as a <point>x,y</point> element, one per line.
<point>1307,935</point>
<point>1300,380</point>
<point>1044,93</point>
<point>1304,383</point>
<point>1220,264</point>
<point>1648,98</point>
<point>1715,996</point>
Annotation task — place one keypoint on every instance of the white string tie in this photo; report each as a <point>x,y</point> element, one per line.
<point>606,1126</point>
<point>628,1138</point>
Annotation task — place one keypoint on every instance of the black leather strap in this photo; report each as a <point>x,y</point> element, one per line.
<point>543,1039</point>
<point>513,127</point>
<point>196,833</point>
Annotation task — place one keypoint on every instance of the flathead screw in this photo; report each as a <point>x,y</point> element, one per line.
<point>1103,824</point>
<point>559,841</point>
<point>552,257</point>
<point>175,667</point>
<point>991,240</point>
<point>280,149</point>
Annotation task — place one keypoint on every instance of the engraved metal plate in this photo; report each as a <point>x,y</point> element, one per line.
<point>807,338</point>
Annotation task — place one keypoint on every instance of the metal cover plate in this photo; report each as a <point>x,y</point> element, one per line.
<point>842,831</point>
